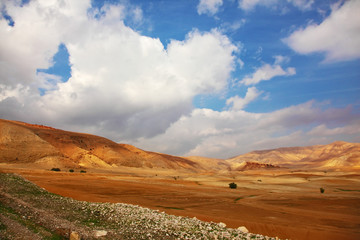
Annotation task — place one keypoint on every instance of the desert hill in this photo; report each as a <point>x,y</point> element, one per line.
<point>22,143</point>
<point>337,155</point>
<point>46,147</point>
<point>214,165</point>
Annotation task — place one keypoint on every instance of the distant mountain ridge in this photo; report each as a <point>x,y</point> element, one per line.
<point>337,155</point>
<point>46,147</point>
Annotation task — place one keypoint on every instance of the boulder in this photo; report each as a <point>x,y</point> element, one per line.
<point>223,225</point>
<point>243,229</point>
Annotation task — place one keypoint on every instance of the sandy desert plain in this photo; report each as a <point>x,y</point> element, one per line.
<point>283,202</point>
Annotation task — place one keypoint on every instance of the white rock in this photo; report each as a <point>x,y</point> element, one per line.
<point>223,225</point>
<point>100,233</point>
<point>243,229</point>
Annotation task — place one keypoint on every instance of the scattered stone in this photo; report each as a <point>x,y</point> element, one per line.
<point>243,229</point>
<point>223,225</point>
<point>74,236</point>
<point>100,233</point>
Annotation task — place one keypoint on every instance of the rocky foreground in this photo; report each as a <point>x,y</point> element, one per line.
<point>29,212</point>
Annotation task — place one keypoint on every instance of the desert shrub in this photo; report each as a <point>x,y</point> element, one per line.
<point>2,226</point>
<point>71,170</point>
<point>83,171</point>
<point>322,190</point>
<point>232,185</point>
<point>56,169</point>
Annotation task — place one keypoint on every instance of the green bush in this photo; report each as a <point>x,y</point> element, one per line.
<point>322,190</point>
<point>56,169</point>
<point>232,185</point>
<point>83,171</point>
<point>71,170</point>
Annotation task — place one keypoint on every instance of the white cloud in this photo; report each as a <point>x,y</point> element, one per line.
<point>12,92</point>
<point>224,134</point>
<point>137,15</point>
<point>210,7</point>
<point>267,72</point>
<point>238,103</point>
<point>21,55</point>
<point>234,26</point>
<point>241,63</point>
<point>338,36</point>
<point>323,130</point>
<point>123,85</point>
<point>279,59</point>
<point>302,4</point>
<point>248,5</point>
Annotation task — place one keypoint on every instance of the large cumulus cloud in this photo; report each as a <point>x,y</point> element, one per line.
<point>123,85</point>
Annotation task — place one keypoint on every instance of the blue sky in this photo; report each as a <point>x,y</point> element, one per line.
<point>213,78</point>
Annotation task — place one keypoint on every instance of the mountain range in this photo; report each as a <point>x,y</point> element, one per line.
<point>45,147</point>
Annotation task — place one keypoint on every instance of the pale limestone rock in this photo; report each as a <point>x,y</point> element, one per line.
<point>223,225</point>
<point>243,229</point>
<point>100,233</point>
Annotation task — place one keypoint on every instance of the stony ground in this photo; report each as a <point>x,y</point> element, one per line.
<point>29,212</point>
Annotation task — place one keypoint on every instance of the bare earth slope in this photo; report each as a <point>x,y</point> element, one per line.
<point>22,143</point>
<point>335,156</point>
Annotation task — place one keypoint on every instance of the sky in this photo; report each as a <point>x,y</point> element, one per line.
<point>212,78</point>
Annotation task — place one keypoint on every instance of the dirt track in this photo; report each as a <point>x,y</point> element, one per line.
<point>287,206</point>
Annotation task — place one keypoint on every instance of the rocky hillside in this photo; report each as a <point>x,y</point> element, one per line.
<point>338,155</point>
<point>48,147</point>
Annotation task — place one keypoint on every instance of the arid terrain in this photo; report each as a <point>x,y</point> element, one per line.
<point>30,212</point>
<point>278,191</point>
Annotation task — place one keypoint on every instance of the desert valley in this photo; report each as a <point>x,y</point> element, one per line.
<point>291,193</point>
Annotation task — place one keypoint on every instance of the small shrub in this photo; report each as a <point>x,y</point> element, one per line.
<point>71,170</point>
<point>232,185</point>
<point>322,190</point>
<point>83,171</point>
<point>2,226</point>
<point>56,169</point>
